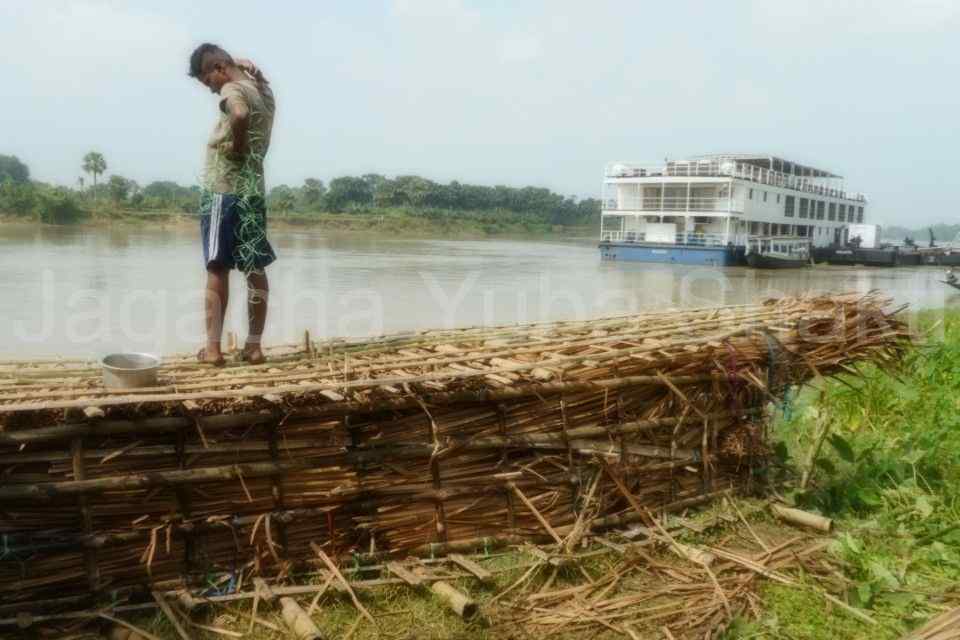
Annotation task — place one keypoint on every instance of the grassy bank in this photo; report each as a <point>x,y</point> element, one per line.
<point>889,473</point>
<point>393,222</point>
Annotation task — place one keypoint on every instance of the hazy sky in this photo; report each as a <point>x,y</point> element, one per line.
<point>534,92</point>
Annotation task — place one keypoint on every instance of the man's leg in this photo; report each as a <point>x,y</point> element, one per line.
<point>258,294</point>
<point>217,296</point>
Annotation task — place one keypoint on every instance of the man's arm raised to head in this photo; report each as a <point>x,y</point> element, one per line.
<point>252,70</point>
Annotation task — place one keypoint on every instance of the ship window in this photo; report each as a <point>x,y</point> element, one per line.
<point>860,214</point>
<point>821,205</point>
<point>788,206</point>
<point>803,207</point>
<point>833,211</point>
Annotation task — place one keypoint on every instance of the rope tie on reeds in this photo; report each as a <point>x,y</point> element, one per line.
<point>778,378</point>
<point>504,454</point>
<point>360,468</point>
<point>774,361</point>
<point>182,496</point>
<point>276,483</point>
<point>91,565</point>
<point>620,436</point>
<point>673,453</point>
<point>441,524</point>
<point>705,454</point>
<point>734,383</point>
<point>563,432</point>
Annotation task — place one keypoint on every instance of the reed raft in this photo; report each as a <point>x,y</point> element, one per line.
<point>423,442</point>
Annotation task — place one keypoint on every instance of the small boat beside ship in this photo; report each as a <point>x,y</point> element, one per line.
<point>861,245</point>
<point>952,280</point>
<point>778,253</point>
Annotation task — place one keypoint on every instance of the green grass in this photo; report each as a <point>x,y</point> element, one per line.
<point>889,475</point>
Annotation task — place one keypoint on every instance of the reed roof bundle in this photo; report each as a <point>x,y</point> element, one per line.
<point>405,443</point>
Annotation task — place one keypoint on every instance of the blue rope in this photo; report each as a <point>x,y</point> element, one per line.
<point>214,590</point>
<point>786,406</point>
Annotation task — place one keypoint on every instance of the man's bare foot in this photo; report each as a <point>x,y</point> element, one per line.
<point>253,354</point>
<point>208,356</point>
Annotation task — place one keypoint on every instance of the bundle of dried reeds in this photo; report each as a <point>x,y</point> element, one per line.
<point>398,443</point>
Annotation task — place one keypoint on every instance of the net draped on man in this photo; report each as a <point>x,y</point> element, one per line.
<point>233,216</point>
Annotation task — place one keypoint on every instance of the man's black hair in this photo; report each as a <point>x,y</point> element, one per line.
<point>204,50</point>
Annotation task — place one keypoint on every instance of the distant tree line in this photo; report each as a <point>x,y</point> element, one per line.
<point>21,196</point>
<point>367,194</point>
<point>373,192</point>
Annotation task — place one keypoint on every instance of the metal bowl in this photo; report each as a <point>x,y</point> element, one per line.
<point>130,370</point>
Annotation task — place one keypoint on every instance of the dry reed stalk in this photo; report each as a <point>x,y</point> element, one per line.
<point>943,627</point>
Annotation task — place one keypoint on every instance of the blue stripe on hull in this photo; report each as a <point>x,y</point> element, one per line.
<point>672,254</point>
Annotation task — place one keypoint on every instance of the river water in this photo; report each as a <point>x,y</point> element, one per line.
<point>82,292</point>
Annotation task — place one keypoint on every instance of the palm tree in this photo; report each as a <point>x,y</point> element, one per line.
<point>94,164</point>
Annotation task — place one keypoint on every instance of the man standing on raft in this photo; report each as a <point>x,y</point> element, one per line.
<point>233,214</point>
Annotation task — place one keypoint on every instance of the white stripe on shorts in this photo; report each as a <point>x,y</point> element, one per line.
<point>213,240</point>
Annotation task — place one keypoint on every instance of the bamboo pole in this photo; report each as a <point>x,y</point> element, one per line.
<point>171,616</point>
<point>469,565</point>
<point>298,622</point>
<point>462,604</point>
<point>802,518</point>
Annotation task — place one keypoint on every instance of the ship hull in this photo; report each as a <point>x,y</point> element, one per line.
<point>865,257</point>
<point>940,259</point>
<point>909,259</point>
<point>760,261</point>
<point>672,254</point>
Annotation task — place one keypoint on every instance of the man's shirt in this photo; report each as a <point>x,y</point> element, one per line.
<point>222,172</point>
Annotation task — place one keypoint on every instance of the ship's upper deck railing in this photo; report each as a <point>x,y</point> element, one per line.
<point>686,238</point>
<point>731,169</point>
<point>670,203</point>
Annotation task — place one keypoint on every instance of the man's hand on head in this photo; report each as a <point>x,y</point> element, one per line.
<point>251,69</point>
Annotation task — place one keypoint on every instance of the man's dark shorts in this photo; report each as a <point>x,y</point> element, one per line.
<point>233,232</point>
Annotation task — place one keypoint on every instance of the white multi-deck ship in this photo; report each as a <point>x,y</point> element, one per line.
<point>706,209</point>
